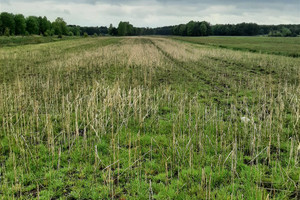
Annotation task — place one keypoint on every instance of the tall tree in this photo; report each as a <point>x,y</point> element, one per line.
<point>122,29</point>
<point>182,30</point>
<point>20,23</point>
<point>44,25</point>
<point>203,29</point>
<point>112,30</point>
<point>1,28</point>
<point>8,22</point>
<point>190,29</point>
<point>125,28</point>
<point>60,26</point>
<point>32,25</point>
<point>176,30</point>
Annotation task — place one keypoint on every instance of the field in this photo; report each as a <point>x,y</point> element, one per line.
<point>24,40</point>
<point>270,45</point>
<point>149,118</point>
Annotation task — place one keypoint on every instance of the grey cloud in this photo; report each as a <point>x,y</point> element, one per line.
<point>4,2</point>
<point>66,11</point>
<point>159,12</point>
<point>186,2</point>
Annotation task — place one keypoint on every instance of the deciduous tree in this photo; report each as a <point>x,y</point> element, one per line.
<point>20,24</point>
<point>8,21</point>
<point>32,25</point>
<point>44,25</point>
<point>60,26</point>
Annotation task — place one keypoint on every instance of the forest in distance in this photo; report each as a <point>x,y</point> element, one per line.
<point>18,24</point>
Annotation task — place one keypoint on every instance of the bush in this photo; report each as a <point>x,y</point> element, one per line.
<point>275,34</point>
<point>286,32</point>
<point>85,34</point>
<point>47,33</point>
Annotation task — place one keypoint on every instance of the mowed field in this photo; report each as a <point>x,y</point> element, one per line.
<point>148,118</point>
<point>271,45</point>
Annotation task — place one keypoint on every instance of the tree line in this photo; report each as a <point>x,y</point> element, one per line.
<point>191,29</point>
<point>11,24</point>
<point>250,29</point>
<point>194,28</point>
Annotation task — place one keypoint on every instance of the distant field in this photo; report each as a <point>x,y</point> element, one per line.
<point>20,40</point>
<point>271,45</point>
<point>149,118</point>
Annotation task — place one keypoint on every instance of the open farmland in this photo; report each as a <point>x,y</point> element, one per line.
<point>24,40</point>
<point>148,118</point>
<point>270,45</point>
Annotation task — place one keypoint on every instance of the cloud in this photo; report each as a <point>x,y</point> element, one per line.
<point>4,2</point>
<point>153,13</point>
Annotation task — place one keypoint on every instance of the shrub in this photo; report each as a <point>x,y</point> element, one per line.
<point>275,34</point>
<point>47,33</point>
<point>286,32</point>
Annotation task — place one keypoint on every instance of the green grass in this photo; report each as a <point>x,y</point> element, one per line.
<point>278,46</point>
<point>24,40</point>
<point>147,118</point>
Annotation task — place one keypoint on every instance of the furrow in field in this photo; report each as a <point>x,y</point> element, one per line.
<point>33,60</point>
<point>203,73</point>
<point>231,71</point>
<point>141,117</point>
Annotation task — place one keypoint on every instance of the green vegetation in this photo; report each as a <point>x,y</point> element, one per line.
<point>193,29</point>
<point>11,25</point>
<point>19,40</point>
<point>278,46</point>
<point>284,32</point>
<point>125,28</point>
<point>147,118</point>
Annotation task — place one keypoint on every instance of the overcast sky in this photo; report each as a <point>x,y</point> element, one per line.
<point>155,13</point>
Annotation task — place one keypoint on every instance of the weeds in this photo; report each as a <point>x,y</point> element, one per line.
<point>147,118</point>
